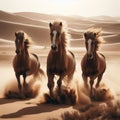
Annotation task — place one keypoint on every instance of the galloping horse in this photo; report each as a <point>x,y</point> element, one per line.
<point>25,63</point>
<point>60,61</point>
<point>93,63</point>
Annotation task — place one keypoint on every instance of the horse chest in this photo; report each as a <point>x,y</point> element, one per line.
<point>22,64</point>
<point>57,66</point>
<point>90,68</point>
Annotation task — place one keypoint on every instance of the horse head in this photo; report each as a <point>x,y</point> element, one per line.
<point>21,42</point>
<point>91,43</point>
<point>55,35</point>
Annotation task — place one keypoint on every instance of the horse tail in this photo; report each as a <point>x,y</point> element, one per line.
<point>73,57</point>
<point>72,54</point>
<point>102,55</point>
<point>41,72</point>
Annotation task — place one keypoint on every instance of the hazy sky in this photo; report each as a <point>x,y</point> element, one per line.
<point>65,7</point>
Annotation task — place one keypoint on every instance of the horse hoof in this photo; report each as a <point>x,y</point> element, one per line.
<point>51,95</point>
<point>49,98</point>
<point>97,86</point>
<point>21,96</point>
<point>25,86</point>
<point>59,90</point>
<point>91,95</point>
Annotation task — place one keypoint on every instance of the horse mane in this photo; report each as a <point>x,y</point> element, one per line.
<point>27,39</point>
<point>95,34</point>
<point>65,36</point>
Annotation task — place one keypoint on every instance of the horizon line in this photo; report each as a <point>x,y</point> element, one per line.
<point>59,14</point>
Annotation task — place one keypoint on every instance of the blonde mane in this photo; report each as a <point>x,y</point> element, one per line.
<point>27,39</point>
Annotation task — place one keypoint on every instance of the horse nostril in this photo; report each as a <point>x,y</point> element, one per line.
<point>54,47</point>
<point>17,51</point>
<point>90,56</point>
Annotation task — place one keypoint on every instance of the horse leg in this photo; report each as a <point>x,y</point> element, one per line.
<point>91,87</point>
<point>24,83</point>
<point>98,80</point>
<point>19,84</point>
<point>59,82</point>
<point>92,78</point>
<point>51,83</point>
<point>85,81</point>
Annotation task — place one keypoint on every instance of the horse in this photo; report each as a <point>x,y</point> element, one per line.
<point>60,61</point>
<point>93,64</point>
<point>25,63</point>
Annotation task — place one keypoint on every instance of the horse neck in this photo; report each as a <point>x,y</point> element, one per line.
<point>62,45</point>
<point>24,55</point>
<point>60,55</point>
<point>62,49</point>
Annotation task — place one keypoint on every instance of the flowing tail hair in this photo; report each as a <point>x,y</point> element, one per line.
<point>39,74</point>
<point>42,73</point>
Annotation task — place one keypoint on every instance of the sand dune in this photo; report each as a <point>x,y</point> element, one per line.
<point>6,42</point>
<point>19,19</point>
<point>107,19</point>
<point>47,17</point>
<point>115,47</point>
<point>36,32</point>
<point>36,25</point>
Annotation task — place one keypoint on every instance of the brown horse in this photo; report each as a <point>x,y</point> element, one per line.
<point>60,61</point>
<point>93,63</point>
<point>25,63</point>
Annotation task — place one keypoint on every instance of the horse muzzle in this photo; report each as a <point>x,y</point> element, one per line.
<point>54,47</point>
<point>90,56</point>
<point>17,51</point>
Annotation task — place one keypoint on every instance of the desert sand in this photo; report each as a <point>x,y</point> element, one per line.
<point>36,25</point>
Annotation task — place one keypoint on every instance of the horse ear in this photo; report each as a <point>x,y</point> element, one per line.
<point>50,24</point>
<point>26,42</point>
<point>60,23</point>
<point>16,34</point>
<point>95,34</point>
<point>22,33</point>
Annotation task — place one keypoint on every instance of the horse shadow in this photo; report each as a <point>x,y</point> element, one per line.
<point>39,108</point>
<point>5,101</point>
